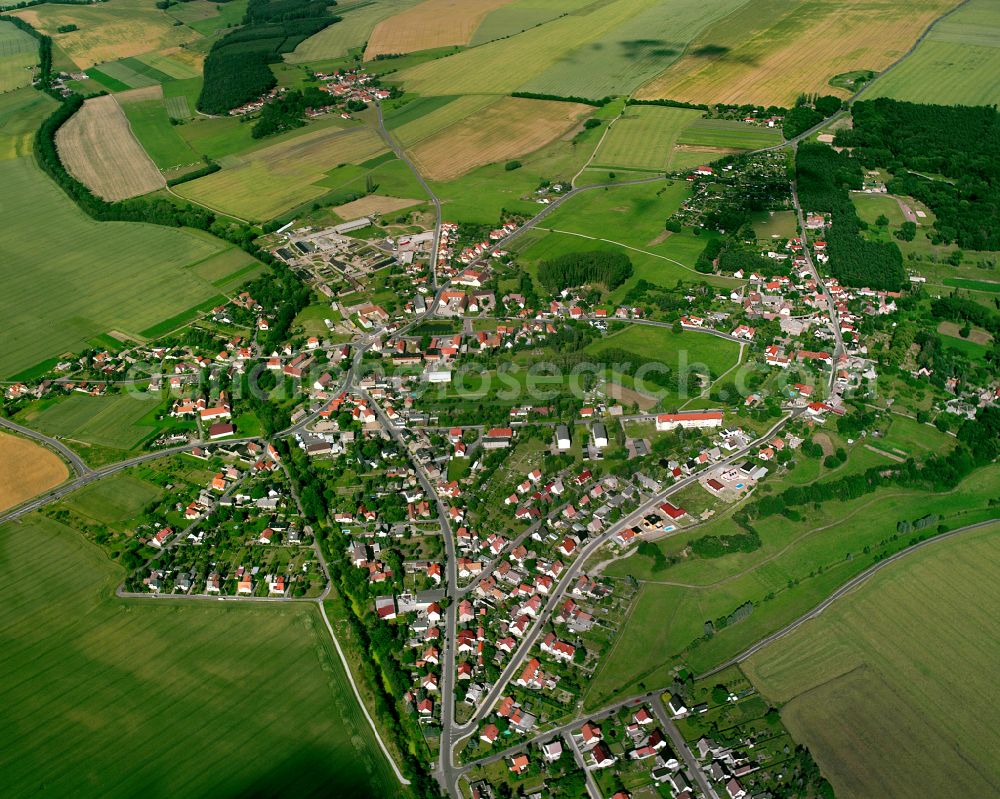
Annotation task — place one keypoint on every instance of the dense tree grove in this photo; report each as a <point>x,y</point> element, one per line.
<point>961,143</point>
<point>960,309</point>
<point>610,267</point>
<point>288,110</point>
<point>805,114</point>
<point>237,68</point>
<point>824,176</point>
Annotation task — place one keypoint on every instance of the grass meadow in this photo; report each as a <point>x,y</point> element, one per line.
<point>150,122</point>
<point>958,62</point>
<point>111,698</point>
<point>729,134</point>
<point>769,51</point>
<point>87,277</point>
<point>660,344</point>
<point>18,54</point>
<point>799,564</point>
<point>116,421</point>
<point>878,683</point>
<point>117,498</point>
<point>644,138</point>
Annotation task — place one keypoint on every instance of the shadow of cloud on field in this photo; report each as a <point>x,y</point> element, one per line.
<point>634,48</point>
<point>721,52</point>
<point>311,772</point>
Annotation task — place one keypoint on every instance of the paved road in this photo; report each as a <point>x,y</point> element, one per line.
<point>681,748</point>
<point>75,460</point>
<point>593,791</point>
<point>845,589</point>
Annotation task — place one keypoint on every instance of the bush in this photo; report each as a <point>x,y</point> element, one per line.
<point>510,166</point>
<point>592,123</point>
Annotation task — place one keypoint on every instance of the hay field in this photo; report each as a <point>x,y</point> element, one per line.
<point>98,148</point>
<point>769,51</point>
<point>69,278</point>
<point>372,204</point>
<point>729,133</point>
<point>192,698</point>
<point>432,23</point>
<point>18,54</point>
<point>958,62</point>
<point>438,118</point>
<point>109,421</point>
<point>21,112</point>
<point>150,124</point>
<point>520,15</point>
<point>352,31</point>
<point>506,129</point>
<point>108,31</point>
<point>265,182</point>
<point>26,470</point>
<point>892,688</point>
<point>644,137</point>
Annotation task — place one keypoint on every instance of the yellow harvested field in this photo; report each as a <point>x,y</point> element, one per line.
<point>263,183</point>
<point>433,23</point>
<point>141,94</point>
<point>108,31</point>
<point>98,148</point>
<point>509,128</point>
<point>770,51</point>
<point>26,470</point>
<point>372,204</point>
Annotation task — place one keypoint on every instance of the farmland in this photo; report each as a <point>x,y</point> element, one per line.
<point>115,421</point>
<point>150,123</point>
<point>108,31</point>
<point>660,345</point>
<point>958,62</point>
<point>261,184</point>
<point>116,499</point>
<point>757,54</point>
<point>520,15</point>
<point>424,117</point>
<point>88,277</point>
<point>886,688</point>
<point>26,470</point>
<point>334,41</point>
<point>98,148</point>
<point>154,682</point>
<point>799,564</point>
<point>729,134</point>
<point>18,54</point>
<point>430,24</point>
<point>508,128</point>
<point>372,204</point>
<point>644,137</point>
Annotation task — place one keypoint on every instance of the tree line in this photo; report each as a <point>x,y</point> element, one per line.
<point>237,68</point>
<point>959,143</point>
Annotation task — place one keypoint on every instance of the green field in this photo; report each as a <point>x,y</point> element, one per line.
<point>151,125</point>
<point>871,206</point>
<point>513,18</point>
<point>70,278</point>
<point>430,115</point>
<point>113,499</point>
<point>644,137</point>
<point>798,565</point>
<point>142,697</point>
<point>206,17</point>
<point>131,72</point>
<point>662,345</point>
<point>958,62</point>
<point>777,225</point>
<point>359,19</point>
<point>729,134</point>
<point>972,285</point>
<point>171,68</point>
<point>18,54</point>
<point>114,420</point>
<point>891,687</point>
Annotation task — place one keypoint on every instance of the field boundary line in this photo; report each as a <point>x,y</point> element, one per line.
<point>618,244</point>
<point>357,696</point>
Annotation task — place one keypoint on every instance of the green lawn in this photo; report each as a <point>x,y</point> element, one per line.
<point>113,499</point>
<point>115,420</point>
<point>151,125</point>
<point>142,697</point>
<point>70,278</point>
<point>660,343</point>
<point>871,206</point>
<point>890,687</point>
<point>798,565</point>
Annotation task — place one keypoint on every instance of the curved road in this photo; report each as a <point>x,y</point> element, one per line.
<point>75,460</point>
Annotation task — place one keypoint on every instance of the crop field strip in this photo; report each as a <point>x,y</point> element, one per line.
<point>75,651</point>
<point>98,148</point>
<point>265,182</point>
<point>26,470</point>
<point>521,15</point>
<point>334,41</point>
<point>431,116</point>
<point>878,683</point>
<point>108,421</point>
<point>430,24</point>
<point>770,51</point>
<point>108,31</point>
<point>504,130</point>
<point>150,124</point>
<point>644,137</point>
<point>958,62</point>
<point>729,133</point>
<point>18,54</point>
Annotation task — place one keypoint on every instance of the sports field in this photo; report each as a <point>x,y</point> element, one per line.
<point>958,62</point>
<point>506,129</point>
<point>18,54</point>
<point>263,183</point>
<point>359,19</point>
<point>891,688</point>
<point>729,134</point>
<point>799,564</point>
<point>644,137</point>
<point>27,469</point>
<point>70,278</point>
<point>150,124</point>
<point>429,24</point>
<point>97,147</point>
<point>108,31</point>
<point>140,697</point>
<point>770,51</point>
<point>111,421</point>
